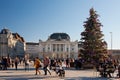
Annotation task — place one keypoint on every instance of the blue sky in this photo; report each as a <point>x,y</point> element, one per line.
<point>37,19</point>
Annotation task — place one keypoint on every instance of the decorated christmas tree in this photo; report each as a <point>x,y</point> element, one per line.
<point>93,45</point>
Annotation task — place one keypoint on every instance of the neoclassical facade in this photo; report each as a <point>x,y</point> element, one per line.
<point>58,45</point>
<point>11,44</point>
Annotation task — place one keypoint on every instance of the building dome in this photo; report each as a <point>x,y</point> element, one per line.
<point>59,36</point>
<point>5,31</point>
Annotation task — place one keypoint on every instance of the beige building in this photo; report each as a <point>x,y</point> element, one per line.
<point>11,44</point>
<point>58,45</point>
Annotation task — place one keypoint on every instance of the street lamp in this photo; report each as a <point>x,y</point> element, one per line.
<point>111,41</point>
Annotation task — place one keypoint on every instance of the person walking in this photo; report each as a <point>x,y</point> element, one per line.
<point>37,64</point>
<point>4,63</point>
<point>119,70</point>
<point>46,63</point>
<point>67,63</point>
<point>16,62</point>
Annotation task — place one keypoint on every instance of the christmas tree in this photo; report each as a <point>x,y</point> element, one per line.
<point>93,45</point>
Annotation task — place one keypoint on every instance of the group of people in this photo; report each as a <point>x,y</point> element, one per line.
<point>105,66</point>
<point>7,62</point>
<point>108,66</point>
<point>4,63</point>
<point>38,64</point>
<point>49,64</point>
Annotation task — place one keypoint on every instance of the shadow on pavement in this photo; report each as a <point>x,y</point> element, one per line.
<point>26,77</point>
<point>87,78</point>
<point>42,77</point>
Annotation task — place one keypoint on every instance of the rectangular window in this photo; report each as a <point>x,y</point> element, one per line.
<point>62,47</point>
<point>48,48</point>
<point>43,49</point>
<point>72,49</point>
<point>58,47</point>
<point>67,49</point>
<point>53,47</point>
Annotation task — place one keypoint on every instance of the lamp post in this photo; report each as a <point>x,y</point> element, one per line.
<point>111,41</point>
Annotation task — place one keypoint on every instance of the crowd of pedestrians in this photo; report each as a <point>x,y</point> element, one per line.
<point>4,63</point>
<point>7,62</point>
<point>105,66</point>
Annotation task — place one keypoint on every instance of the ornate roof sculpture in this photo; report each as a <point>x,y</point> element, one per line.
<point>18,37</point>
<point>59,36</point>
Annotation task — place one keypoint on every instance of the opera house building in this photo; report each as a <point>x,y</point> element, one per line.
<point>58,45</point>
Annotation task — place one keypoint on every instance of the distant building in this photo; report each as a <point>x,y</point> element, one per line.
<point>115,53</point>
<point>32,49</point>
<point>58,45</point>
<point>11,44</point>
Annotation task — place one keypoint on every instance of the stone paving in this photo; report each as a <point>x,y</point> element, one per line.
<point>71,74</point>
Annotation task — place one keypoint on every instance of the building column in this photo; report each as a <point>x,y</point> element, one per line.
<point>69,52</point>
<point>55,47</point>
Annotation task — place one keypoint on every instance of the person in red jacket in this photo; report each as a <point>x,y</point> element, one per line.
<point>46,65</point>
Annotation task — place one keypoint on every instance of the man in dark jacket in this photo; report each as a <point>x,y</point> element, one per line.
<point>119,70</point>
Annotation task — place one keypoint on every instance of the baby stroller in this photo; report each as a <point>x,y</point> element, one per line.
<point>58,68</point>
<point>60,71</point>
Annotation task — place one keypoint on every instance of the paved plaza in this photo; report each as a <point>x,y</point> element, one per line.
<point>71,74</point>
